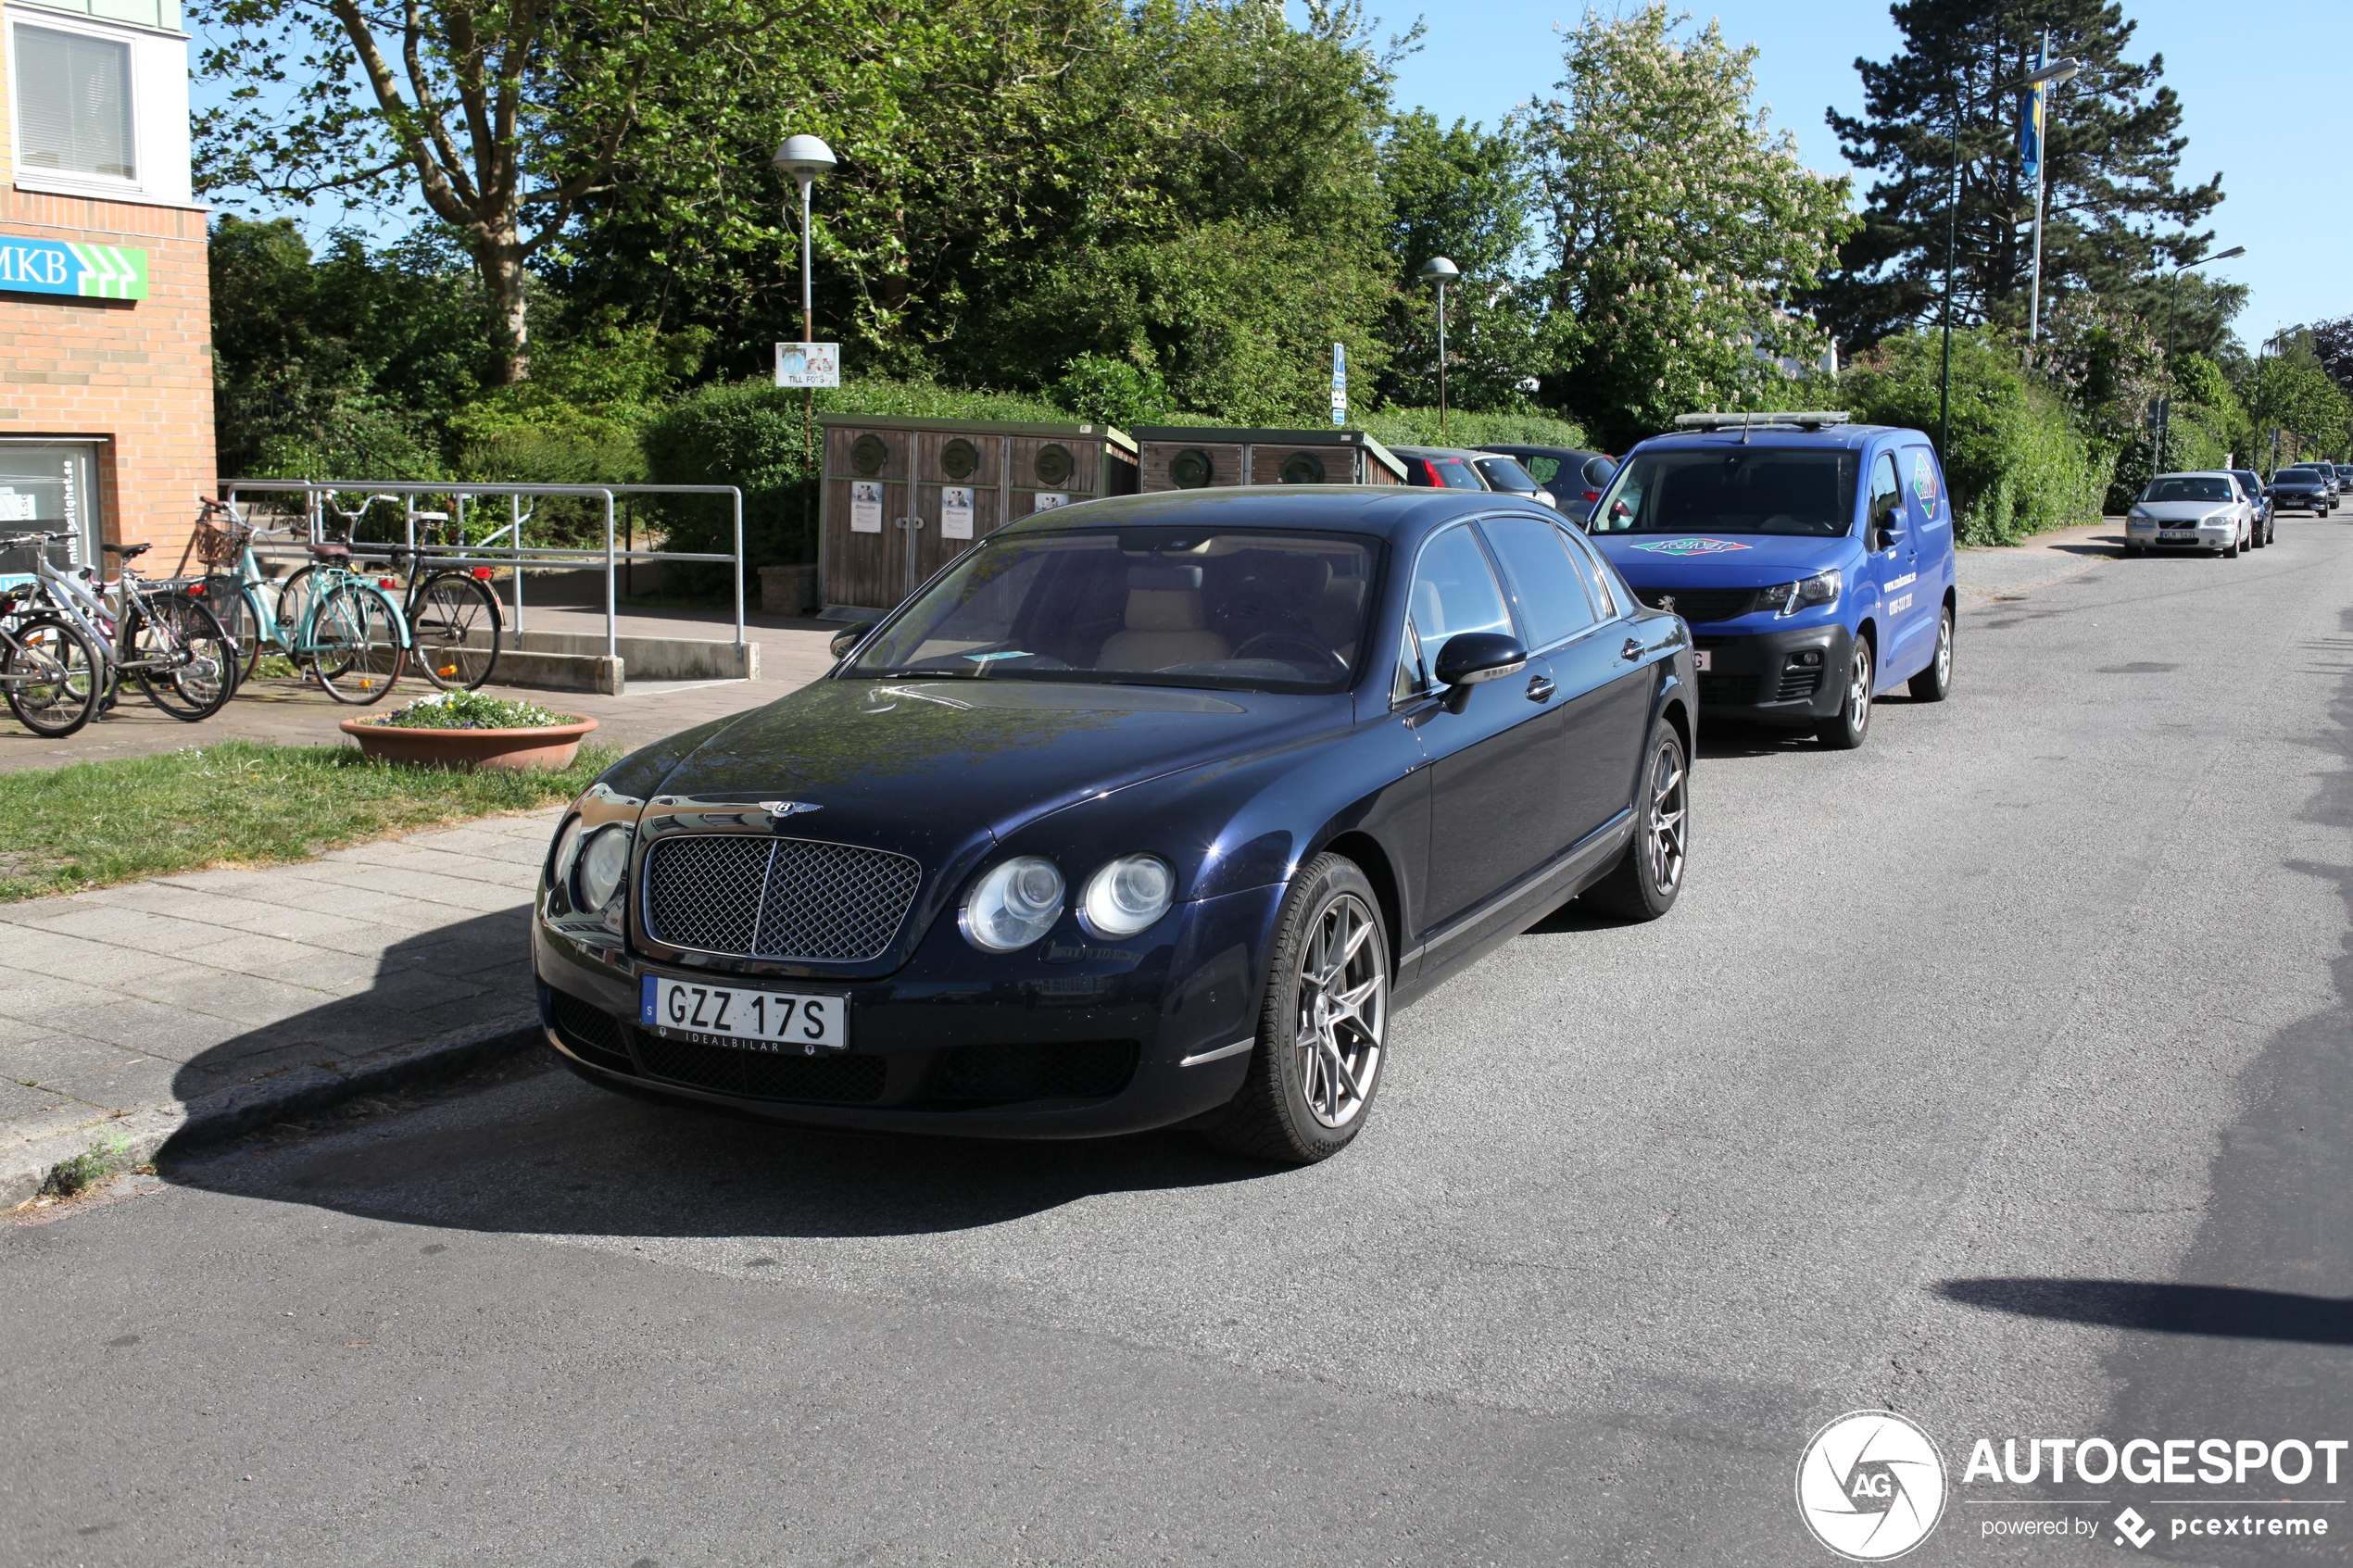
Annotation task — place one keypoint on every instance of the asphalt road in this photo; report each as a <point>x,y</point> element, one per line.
<point>1995,1074</point>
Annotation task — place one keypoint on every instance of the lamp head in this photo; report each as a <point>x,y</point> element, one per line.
<point>2226,254</point>
<point>1439,271</point>
<point>804,158</point>
<point>2056,73</point>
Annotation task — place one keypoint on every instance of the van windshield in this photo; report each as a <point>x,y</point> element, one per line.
<point>1733,490</point>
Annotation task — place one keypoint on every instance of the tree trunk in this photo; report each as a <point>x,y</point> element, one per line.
<point>500,258</point>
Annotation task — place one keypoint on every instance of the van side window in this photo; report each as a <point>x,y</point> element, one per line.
<point>1886,502</point>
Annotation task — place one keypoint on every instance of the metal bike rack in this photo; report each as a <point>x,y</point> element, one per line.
<point>514,555</point>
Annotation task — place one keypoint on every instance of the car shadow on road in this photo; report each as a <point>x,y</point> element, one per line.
<point>524,1146</point>
<point>2224,1311</point>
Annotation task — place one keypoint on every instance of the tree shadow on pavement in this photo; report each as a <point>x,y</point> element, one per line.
<point>525,1147</point>
<point>2224,1311</point>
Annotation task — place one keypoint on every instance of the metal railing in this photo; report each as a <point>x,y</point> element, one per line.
<point>318,502</point>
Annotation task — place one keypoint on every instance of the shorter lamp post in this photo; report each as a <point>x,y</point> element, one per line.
<point>2165,395</point>
<point>1439,271</point>
<point>805,160</point>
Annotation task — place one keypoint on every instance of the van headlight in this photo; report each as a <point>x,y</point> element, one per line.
<point>1128,896</point>
<point>1013,905</point>
<point>1788,598</point>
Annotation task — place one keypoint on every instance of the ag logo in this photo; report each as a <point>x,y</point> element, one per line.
<point>1870,1485</point>
<point>1691,546</point>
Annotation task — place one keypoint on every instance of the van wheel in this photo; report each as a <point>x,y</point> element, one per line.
<point>1845,730</point>
<point>1935,682</point>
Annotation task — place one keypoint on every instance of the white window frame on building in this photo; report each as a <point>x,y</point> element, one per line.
<point>51,485</point>
<point>156,95</point>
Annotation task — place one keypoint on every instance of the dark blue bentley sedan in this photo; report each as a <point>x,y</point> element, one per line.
<point>1145,811</point>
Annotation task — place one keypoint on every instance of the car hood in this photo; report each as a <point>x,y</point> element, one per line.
<point>1720,560</point>
<point>925,767</point>
<point>2184,511</point>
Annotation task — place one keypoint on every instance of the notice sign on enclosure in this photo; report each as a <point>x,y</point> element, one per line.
<point>956,512</point>
<point>808,364</point>
<point>865,506</point>
<point>87,272</point>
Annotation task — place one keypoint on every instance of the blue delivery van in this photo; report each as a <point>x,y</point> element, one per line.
<point>1812,559</point>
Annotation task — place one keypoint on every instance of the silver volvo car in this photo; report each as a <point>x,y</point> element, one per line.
<point>2192,511</point>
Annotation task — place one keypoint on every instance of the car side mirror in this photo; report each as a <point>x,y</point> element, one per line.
<point>845,640</point>
<point>1470,658</point>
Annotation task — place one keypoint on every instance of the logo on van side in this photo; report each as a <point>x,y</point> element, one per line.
<point>1924,480</point>
<point>1691,546</point>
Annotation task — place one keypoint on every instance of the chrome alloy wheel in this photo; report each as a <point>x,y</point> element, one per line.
<point>1343,1008</point>
<point>1944,648</point>
<point>1664,833</point>
<point>1859,683</point>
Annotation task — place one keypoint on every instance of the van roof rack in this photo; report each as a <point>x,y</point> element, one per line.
<point>1747,419</point>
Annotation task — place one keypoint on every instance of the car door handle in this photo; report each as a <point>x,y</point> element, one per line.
<point>1539,689</point>
<point>1630,648</point>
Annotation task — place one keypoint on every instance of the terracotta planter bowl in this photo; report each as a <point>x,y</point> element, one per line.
<point>551,746</point>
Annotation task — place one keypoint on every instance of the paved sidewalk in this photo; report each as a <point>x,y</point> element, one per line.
<point>225,999</point>
<point>1995,571</point>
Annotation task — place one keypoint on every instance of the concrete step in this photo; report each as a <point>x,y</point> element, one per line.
<point>573,662</point>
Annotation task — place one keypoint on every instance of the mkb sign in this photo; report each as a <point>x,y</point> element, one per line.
<point>90,272</point>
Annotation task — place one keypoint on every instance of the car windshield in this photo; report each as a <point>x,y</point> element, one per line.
<point>1233,610</point>
<point>2188,490</point>
<point>1504,473</point>
<point>1733,490</point>
<point>2296,476</point>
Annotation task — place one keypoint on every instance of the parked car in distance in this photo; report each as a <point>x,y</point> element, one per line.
<point>1506,475</point>
<point>2191,512</point>
<point>2300,488</point>
<point>2343,473</point>
<point>1812,557</point>
<point>1575,476</point>
<point>1148,811</point>
<point>1441,468</point>
<point>2267,522</point>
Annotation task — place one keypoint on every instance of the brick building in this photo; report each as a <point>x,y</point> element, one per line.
<point>106,366</point>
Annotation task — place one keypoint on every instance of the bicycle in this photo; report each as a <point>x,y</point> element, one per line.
<point>166,640</point>
<point>51,674</point>
<point>341,627</point>
<point>454,619</point>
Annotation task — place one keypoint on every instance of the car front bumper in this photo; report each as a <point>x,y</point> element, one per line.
<point>2200,537</point>
<point>1072,1038</point>
<point>1794,676</point>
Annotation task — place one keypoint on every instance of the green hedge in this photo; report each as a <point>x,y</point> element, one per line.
<point>2017,464</point>
<point>1418,427</point>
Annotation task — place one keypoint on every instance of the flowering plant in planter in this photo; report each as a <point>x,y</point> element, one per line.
<point>469,729</point>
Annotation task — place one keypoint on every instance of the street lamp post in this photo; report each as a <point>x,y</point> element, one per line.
<point>1439,271</point>
<point>2044,77</point>
<point>806,160</point>
<point>2165,396</point>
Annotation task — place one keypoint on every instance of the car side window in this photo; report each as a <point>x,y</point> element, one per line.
<point>1541,469</point>
<point>1455,591</point>
<point>1555,603</point>
<point>1887,499</point>
<point>1610,594</point>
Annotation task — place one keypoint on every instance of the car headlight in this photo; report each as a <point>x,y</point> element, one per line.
<point>559,857</point>
<point>604,861</point>
<point>2141,514</point>
<point>1013,905</point>
<point>1127,894</point>
<point>1788,598</point>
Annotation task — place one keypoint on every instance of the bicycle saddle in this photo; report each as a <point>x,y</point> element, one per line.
<point>330,552</point>
<point>128,552</point>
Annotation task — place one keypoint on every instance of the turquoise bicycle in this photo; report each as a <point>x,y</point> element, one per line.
<point>339,627</point>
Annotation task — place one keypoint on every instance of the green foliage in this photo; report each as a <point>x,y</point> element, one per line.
<point>471,710</point>
<point>2015,463</point>
<point>240,803</point>
<point>2294,393</point>
<point>1119,393</point>
<point>1676,224</point>
<point>1418,427</point>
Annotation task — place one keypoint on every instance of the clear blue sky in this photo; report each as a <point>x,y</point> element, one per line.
<point>2236,67</point>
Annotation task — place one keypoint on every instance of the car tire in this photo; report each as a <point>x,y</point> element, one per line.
<point>2229,551</point>
<point>1644,882</point>
<point>1935,682</point>
<point>1851,725</point>
<point>1317,1062</point>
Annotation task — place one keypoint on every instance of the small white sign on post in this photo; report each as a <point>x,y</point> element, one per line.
<point>955,511</point>
<point>808,364</point>
<point>1047,500</point>
<point>1340,383</point>
<point>865,506</point>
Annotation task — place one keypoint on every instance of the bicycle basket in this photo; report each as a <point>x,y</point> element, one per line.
<point>220,546</point>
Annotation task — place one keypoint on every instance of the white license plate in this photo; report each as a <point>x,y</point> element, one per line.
<point>734,1015</point>
<point>2177,533</point>
<point>1701,660</point>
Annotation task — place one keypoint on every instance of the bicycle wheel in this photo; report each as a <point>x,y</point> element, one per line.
<point>295,594</point>
<point>357,641</point>
<point>54,677</point>
<point>234,606</point>
<point>453,625</point>
<point>181,657</point>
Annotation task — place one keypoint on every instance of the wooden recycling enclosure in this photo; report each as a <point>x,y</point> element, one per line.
<point>1211,457</point>
<point>903,496</point>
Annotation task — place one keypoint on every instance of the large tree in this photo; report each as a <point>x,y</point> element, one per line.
<point>501,117</point>
<point>1678,225</point>
<point>2116,206</point>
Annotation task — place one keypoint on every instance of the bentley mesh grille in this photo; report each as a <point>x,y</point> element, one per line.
<point>777,898</point>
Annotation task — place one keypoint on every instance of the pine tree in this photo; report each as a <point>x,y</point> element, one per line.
<point>2111,156</point>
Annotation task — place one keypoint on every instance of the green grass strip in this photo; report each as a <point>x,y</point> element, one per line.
<point>239,803</point>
